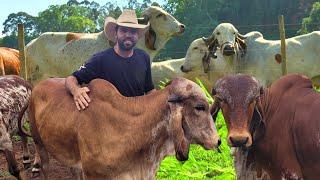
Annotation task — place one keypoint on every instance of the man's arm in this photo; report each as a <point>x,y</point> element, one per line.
<point>80,96</point>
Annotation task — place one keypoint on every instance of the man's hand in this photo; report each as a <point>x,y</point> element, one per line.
<point>81,98</point>
<point>80,94</point>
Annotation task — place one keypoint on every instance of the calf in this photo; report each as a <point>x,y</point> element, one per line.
<point>14,98</point>
<point>119,137</point>
<point>276,129</point>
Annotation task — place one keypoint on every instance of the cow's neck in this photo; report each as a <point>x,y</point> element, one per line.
<point>151,133</point>
<point>161,40</point>
<point>252,157</point>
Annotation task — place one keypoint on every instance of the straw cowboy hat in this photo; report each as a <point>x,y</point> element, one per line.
<point>128,18</point>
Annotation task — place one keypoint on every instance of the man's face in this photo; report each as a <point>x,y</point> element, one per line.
<point>127,37</point>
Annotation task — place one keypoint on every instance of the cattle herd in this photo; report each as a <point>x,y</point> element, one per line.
<point>273,121</point>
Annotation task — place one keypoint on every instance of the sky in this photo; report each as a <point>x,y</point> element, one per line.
<point>33,7</point>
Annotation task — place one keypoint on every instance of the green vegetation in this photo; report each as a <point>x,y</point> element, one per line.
<point>202,164</point>
<point>312,22</point>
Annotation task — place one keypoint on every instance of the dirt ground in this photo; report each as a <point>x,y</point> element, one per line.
<point>57,171</point>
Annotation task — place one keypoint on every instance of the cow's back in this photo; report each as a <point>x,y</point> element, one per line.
<point>58,54</point>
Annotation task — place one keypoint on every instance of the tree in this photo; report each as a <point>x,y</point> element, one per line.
<point>312,22</point>
<point>11,23</point>
<point>60,18</point>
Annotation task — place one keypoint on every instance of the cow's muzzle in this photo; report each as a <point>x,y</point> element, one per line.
<point>240,140</point>
<point>185,70</point>
<point>228,49</point>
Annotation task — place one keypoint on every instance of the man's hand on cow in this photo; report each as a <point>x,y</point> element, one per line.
<point>81,98</point>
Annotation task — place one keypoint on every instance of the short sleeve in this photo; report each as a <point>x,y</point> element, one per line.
<point>88,71</point>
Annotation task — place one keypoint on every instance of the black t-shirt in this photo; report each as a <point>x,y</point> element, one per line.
<point>131,76</point>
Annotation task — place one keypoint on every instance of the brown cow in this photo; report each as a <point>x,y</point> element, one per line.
<point>119,137</point>
<point>14,98</point>
<point>276,129</point>
<point>9,61</point>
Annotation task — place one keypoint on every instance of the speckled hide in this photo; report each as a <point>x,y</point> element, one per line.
<point>14,98</point>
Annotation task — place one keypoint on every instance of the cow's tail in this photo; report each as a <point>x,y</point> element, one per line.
<point>22,130</point>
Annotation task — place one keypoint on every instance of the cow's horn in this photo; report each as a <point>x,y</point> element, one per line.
<point>208,40</point>
<point>241,36</point>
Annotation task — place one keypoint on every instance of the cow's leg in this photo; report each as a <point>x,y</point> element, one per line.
<point>26,154</point>
<point>7,147</point>
<point>42,156</point>
<point>77,174</point>
<point>36,164</point>
<point>2,71</point>
<point>12,163</point>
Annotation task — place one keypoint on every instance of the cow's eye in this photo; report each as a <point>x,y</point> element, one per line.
<point>159,15</point>
<point>218,33</point>
<point>195,48</point>
<point>200,107</point>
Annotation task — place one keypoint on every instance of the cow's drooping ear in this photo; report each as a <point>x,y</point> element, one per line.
<point>214,110</point>
<point>150,39</point>
<point>258,125</point>
<point>206,62</point>
<point>215,107</point>
<point>176,132</point>
<point>261,90</point>
<point>242,46</point>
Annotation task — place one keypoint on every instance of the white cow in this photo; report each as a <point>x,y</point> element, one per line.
<point>170,69</point>
<point>55,54</point>
<point>254,55</point>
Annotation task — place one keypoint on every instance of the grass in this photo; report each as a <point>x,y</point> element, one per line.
<point>202,164</point>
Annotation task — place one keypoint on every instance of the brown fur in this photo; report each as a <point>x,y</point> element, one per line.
<point>285,132</point>
<point>73,36</point>
<point>118,137</point>
<point>9,61</point>
<point>150,38</point>
<point>278,58</point>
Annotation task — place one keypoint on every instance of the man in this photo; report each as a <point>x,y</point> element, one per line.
<point>128,69</point>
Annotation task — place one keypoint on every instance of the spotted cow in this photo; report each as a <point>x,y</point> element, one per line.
<point>14,98</point>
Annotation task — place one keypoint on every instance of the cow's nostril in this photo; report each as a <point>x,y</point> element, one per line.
<point>182,28</point>
<point>219,142</point>
<point>239,141</point>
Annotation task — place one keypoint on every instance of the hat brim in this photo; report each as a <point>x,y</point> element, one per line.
<point>110,28</point>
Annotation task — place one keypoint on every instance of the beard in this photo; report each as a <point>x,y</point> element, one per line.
<point>126,44</point>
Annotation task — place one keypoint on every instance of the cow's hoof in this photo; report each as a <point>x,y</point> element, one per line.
<point>26,165</point>
<point>35,174</point>
<point>35,171</point>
